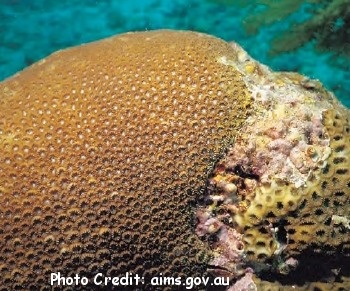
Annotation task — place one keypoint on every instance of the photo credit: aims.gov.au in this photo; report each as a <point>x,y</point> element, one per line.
<point>129,279</point>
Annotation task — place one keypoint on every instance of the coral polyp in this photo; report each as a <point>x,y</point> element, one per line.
<point>289,166</point>
<point>168,152</point>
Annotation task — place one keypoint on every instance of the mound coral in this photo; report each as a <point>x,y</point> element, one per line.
<point>168,153</point>
<point>104,147</point>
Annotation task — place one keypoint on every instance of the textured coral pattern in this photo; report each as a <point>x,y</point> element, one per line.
<point>322,219</point>
<point>282,191</point>
<point>172,154</point>
<point>103,147</point>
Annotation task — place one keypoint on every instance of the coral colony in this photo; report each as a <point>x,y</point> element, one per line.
<point>164,159</point>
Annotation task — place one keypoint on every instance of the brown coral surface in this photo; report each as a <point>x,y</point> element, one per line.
<point>172,154</point>
<point>103,147</point>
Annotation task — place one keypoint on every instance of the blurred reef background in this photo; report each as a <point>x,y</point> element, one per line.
<point>310,36</point>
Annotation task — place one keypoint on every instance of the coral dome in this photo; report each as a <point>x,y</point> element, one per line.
<point>167,152</point>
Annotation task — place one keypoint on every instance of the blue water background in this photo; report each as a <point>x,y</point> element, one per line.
<point>32,29</point>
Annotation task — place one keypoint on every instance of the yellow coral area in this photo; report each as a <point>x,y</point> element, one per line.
<point>328,197</point>
<point>284,184</point>
<point>309,211</point>
<point>103,147</point>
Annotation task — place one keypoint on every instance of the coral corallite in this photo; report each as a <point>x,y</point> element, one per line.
<point>167,152</point>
